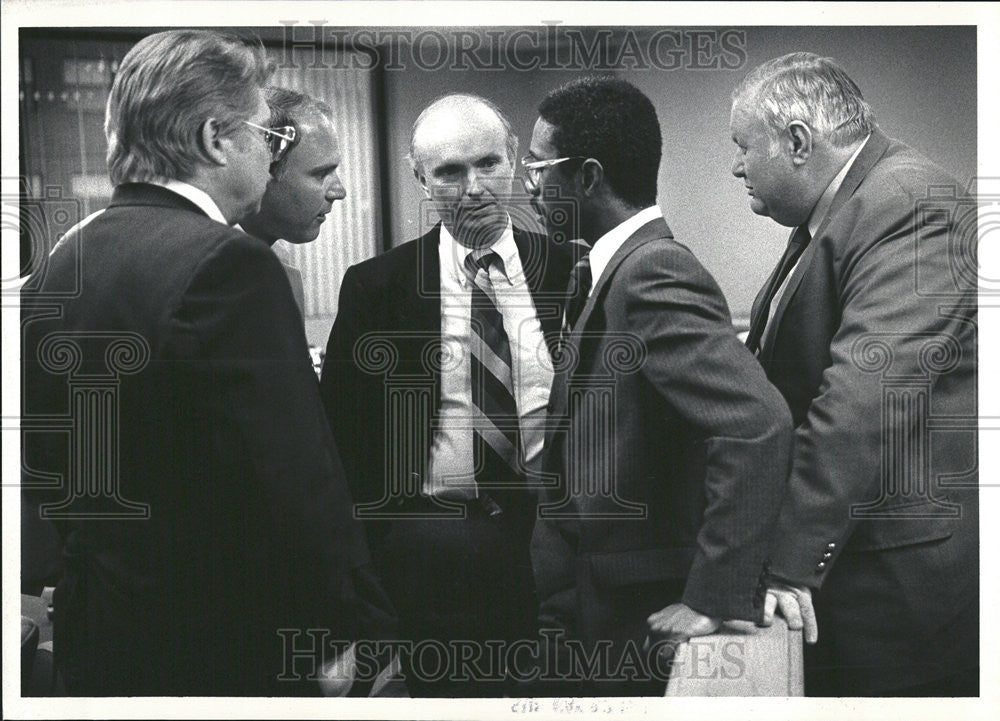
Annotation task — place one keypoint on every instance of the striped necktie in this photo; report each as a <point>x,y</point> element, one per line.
<point>496,430</point>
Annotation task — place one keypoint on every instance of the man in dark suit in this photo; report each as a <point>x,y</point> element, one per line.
<point>207,527</point>
<point>669,446</point>
<point>436,380</point>
<point>869,334</point>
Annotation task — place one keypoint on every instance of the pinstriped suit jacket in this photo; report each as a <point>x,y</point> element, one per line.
<point>670,451</point>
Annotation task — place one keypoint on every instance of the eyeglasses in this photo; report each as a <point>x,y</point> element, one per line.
<point>278,139</point>
<point>533,168</point>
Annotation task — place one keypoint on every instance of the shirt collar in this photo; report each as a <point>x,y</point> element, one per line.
<point>826,200</point>
<point>197,196</point>
<point>608,244</point>
<point>453,255</point>
<point>280,249</point>
<point>279,246</point>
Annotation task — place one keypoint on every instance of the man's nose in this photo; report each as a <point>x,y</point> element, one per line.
<point>335,190</point>
<point>473,187</point>
<point>737,168</point>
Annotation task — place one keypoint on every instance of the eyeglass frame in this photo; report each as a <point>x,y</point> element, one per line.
<point>285,134</point>
<point>534,167</point>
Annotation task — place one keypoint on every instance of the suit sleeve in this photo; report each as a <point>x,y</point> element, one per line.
<point>699,367</point>
<point>888,329</point>
<point>239,319</point>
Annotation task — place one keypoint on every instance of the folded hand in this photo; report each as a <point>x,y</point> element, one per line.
<point>795,605</point>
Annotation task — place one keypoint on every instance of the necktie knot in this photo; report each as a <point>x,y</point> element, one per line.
<point>473,264</point>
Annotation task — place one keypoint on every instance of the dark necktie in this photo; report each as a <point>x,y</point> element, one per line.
<point>496,430</point>
<point>762,305</point>
<point>577,291</point>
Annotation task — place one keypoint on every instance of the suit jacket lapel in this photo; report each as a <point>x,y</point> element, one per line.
<point>546,275</point>
<point>758,302</point>
<point>418,313</point>
<point>652,230</point>
<point>426,284</point>
<point>873,151</point>
<point>418,288</point>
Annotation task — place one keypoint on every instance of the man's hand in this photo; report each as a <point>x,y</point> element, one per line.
<point>678,622</point>
<point>796,606</point>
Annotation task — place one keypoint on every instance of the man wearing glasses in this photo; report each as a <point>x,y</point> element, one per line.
<point>204,516</point>
<point>469,312</point>
<point>667,485</point>
<point>304,183</point>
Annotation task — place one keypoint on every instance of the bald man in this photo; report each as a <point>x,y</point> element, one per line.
<point>464,317</point>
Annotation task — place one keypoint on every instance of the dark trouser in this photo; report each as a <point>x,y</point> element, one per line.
<point>464,592</point>
<point>826,678</point>
<point>882,634</point>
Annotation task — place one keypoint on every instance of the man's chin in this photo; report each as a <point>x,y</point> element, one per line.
<point>302,238</point>
<point>479,233</point>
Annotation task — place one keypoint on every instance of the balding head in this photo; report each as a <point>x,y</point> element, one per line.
<point>449,115</point>
<point>462,152</point>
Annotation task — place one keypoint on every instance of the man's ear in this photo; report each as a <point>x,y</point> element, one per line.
<point>210,139</point>
<point>799,139</point>
<point>591,176</point>
<point>422,179</point>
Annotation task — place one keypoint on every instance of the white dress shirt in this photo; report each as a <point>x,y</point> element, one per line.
<point>197,196</point>
<point>609,243</point>
<point>451,460</point>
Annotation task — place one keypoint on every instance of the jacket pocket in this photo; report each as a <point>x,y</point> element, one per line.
<point>876,534</point>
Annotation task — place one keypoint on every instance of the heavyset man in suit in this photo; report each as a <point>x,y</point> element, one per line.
<point>881,515</point>
<point>669,477</point>
<point>436,379</point>
<point>221,520</point>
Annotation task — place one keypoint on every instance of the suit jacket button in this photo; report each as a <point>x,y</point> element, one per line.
<point>820,567</point>
<point>827,556</point>
<point>831,546</point>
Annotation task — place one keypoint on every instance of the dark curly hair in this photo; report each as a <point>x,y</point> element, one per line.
<point>612,121</point>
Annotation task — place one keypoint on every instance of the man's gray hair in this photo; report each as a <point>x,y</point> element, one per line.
<point>460,100</point>
<point>290,107</point>
<point>809,88</point>
<point>168,84</point>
